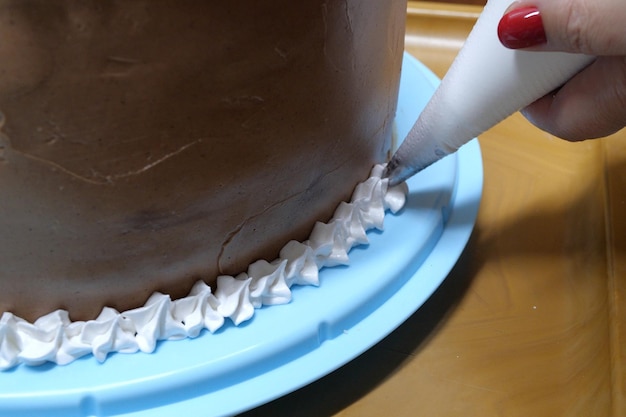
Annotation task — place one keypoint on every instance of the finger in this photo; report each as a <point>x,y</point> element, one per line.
<point>582,26</point>
<point>590,105</point>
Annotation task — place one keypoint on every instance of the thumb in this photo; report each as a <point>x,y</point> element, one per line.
<point>591,27</point>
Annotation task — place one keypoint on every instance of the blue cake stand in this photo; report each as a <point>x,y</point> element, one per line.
<point>284,347</point>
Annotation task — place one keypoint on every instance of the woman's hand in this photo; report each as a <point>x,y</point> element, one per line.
<point>593,103</point>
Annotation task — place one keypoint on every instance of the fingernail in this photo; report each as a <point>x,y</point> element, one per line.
<point>521,28</point>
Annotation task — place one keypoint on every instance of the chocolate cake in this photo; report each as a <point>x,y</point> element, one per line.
<point>149,144</point>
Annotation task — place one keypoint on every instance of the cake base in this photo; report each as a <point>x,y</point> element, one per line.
<point>285,347</point>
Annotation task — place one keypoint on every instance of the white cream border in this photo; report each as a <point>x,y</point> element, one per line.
<point>55,338</point>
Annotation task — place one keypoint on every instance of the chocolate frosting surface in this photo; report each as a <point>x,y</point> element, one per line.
<point>146,144</point>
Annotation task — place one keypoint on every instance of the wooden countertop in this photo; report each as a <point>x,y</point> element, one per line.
<point>532,319</point>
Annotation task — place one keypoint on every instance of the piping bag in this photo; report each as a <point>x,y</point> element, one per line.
<point>485,84</point>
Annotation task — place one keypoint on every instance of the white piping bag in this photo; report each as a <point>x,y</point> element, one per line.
<point>485,84</point>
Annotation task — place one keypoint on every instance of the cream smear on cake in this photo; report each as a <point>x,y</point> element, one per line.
<point>55,338</point>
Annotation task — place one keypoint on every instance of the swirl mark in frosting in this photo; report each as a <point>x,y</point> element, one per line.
<point>55,338</point>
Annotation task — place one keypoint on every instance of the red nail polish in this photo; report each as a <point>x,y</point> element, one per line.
<point>521,28</point>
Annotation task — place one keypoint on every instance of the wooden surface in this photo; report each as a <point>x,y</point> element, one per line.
<point>476,2</point>
<point>531,321</point>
